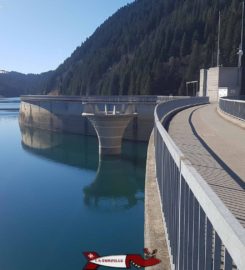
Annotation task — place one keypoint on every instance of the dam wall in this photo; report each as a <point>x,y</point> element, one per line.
<point>64,113</point>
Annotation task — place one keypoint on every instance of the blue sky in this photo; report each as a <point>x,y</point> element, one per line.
<point>38,35</point>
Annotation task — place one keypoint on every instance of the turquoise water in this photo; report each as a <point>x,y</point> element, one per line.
<point>58,200</point>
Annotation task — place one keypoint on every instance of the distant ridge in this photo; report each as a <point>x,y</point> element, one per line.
<point>14,84</point>
<point>3,71</point>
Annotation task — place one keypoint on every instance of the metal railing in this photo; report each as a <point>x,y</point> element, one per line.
<point>109,108</point>
<point>103,99</point>
<point>233,106</point>
<point>201,231</point>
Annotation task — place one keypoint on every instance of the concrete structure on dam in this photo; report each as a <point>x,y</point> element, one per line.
<point>219,81</point>
<point>110,123</point>
<point>63,113</point>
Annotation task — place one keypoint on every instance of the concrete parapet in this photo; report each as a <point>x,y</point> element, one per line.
<point>154,233</point>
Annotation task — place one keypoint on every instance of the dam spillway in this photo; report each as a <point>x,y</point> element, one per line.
<point>110,124</point>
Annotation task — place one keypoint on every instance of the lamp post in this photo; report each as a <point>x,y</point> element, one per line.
<point>241,64</point>
<point>218,49</point>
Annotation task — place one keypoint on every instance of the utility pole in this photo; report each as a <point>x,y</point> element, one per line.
<point>241,64</point>
<point>218,51</point>
<point>240,51</point>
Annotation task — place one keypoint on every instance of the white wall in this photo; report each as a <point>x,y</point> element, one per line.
<point>213,83</point>
<point>203,83</point>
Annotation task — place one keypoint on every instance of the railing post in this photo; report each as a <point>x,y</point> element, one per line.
<point>208,247</point>
<point>190,231</point>
<point>201,237</point>
<point>217,252</point>
<point>228,261</point>
<point>195,239</point>
<point>180,235</point>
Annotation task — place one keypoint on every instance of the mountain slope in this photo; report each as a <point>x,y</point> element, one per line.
<point>151,47</point>
<point>13,84</point>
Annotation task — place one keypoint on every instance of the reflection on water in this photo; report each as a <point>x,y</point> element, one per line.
<point>57,199</point>
<point>122,191</point>
<point>116,178</point>
<point>73,150</point>
<point>9,104</point>
<point>39,139</point>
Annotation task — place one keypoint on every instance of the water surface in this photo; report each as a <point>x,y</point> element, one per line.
<point>57,199</point>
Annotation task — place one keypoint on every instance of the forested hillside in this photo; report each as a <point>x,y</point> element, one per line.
<point>150,47</point>
<point>13,84</point>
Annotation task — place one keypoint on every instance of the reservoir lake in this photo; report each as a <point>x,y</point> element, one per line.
<point>58,199</point>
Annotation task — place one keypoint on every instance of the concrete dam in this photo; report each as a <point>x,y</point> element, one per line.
<point>64,113</point>
<point>191,216</point>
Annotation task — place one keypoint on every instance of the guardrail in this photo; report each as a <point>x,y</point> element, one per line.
<point>92,98</point>
<point>233,106</point>
<point>201,232</point>
<point>109,108</point>
<point>96,99</point>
